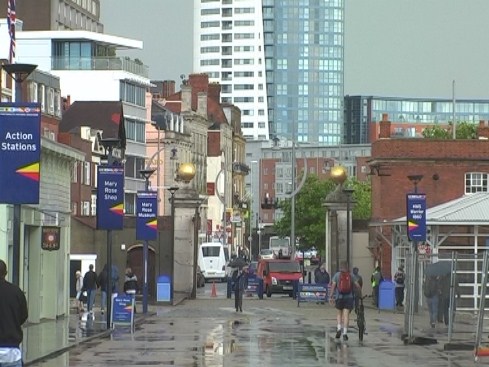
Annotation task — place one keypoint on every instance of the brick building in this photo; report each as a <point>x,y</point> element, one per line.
<point>450,169</point>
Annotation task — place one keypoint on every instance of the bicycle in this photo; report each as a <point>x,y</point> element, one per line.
<point>361,318</point>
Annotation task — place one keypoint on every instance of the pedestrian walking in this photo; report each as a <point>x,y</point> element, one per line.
<point>131,285</point>
<point>102,283</point>
<point>13,311</point>
<point>399,279</point>
<point>79,291</point>
<point>357,292</point>
<point>240,285</point>
<point>375,279</point>
<point>90,286</point>
<point>431,290</point>
<point>342,288</point>
<point>321,276</point>
<point>444,298</point>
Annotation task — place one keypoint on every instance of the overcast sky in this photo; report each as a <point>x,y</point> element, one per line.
<point>406,48</point>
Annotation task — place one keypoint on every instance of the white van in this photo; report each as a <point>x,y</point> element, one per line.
<point>213,257</point>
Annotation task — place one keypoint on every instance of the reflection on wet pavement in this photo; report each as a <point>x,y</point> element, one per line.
<point>216,336</point>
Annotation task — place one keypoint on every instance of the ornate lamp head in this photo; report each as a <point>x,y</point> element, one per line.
<point>338,174</point>
<point>186,172</point>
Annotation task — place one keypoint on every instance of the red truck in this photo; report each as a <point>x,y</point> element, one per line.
<point>279,276</point>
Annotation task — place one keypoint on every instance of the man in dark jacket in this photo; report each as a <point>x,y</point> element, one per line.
<point>13,311</point>
<point>90,285</point>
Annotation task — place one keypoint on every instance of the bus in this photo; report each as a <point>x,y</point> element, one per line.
<point>277,243</point>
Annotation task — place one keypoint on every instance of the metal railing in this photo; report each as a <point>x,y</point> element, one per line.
<point>100,63</point>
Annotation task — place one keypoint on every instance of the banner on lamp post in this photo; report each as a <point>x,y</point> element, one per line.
<point>416,217</point>
<point>110,197</point>
<point>20,153</point>
<point>147,220</point>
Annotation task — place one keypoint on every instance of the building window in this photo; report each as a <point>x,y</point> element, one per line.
<point>93,211</point>
<point>85,208</point>
<point>74,208</point>
<point>87,173</point>
<point>129,206</point>
<point>74,173</point>
<point>475,182</point>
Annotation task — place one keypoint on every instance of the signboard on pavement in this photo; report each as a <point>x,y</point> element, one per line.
<point>20,153</point>
<point>122,312</point>
<point>146,222</point>
<point>311,293</point>
<point>110,197</point>
<point>416,217</point>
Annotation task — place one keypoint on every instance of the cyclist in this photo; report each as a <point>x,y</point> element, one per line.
<point>342,287</point>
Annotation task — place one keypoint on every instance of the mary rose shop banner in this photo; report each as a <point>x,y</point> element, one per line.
<point>20,153</point>
<point>110,197</point>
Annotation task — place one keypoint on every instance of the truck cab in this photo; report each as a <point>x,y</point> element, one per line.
<point>279,275</point>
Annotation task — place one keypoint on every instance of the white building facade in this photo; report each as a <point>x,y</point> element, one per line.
<point>89,70</point>
<point>228,46</point>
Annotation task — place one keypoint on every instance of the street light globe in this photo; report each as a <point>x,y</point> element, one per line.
<point>186,172</point>
<point>338,174</point>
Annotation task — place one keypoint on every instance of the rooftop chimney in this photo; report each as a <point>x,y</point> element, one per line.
<point>385,127</point>
<point>167,88</point>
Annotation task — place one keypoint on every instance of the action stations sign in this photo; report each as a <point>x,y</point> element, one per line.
<point>416,217</point>
<point>20,153</point>
<point>110,197</point>
<point>147,222</point>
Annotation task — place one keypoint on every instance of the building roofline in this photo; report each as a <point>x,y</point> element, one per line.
<point>115,41</point>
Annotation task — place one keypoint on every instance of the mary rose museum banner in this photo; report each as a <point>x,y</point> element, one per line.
<point>20,153</point>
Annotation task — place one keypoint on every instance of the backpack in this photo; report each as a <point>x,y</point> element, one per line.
<point>345,282</point>
<point>429,288</point>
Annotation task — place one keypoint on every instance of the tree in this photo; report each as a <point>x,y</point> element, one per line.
<point>464,130</point>
<point>310,213</point>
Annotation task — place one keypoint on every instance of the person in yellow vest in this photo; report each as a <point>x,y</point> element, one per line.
<point>376,278</point>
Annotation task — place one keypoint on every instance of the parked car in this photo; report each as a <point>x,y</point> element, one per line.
<point>266,253</point>
<point>279,276</point>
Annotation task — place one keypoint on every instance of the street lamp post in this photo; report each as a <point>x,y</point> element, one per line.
<point>348,192</point>
<point>109,144</point>
<point>292,203</point>
<point>172,190</point>
<point>412,290</point>
<point>250,215</point>
<point>146,173</point>
<point>18,72</point>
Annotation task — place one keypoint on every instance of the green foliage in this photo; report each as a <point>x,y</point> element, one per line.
<point>310,213</point>
<point>464,130</point>
<point>436,132</point>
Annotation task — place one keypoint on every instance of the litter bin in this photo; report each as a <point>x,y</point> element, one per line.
<point>163,288</point>
<point>387,295</point>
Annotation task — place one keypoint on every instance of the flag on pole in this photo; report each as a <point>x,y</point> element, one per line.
<point>11,18</point>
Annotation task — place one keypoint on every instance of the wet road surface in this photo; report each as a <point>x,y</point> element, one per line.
<point>270,332</point>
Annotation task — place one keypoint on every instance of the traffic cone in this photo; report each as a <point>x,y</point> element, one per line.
<point>213,290</point>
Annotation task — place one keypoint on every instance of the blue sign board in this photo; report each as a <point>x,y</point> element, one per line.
<point>110,197</point>
<point>312,293</point>
<point>122,310</point>
<point>416,217</point>
<point>146,222</point>
<point>20,153</point>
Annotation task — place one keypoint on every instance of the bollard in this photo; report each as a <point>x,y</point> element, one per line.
<point>309,278</point>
